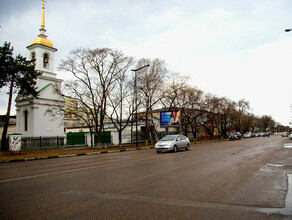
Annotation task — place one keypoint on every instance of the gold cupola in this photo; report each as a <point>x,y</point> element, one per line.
<point>42,38</point>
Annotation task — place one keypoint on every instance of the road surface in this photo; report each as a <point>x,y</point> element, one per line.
<point>247,179</point>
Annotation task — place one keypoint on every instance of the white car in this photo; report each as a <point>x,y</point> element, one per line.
<point>172,143</point>
<point>247,134</point>
<point>285,134</point>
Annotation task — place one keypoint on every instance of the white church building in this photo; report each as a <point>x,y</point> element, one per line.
<point>32,114</point>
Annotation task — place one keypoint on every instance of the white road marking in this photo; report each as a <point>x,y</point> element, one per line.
<point>73,170</point>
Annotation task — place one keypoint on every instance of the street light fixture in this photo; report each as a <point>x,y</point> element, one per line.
<point>135,70</point>
<point>288,30</point>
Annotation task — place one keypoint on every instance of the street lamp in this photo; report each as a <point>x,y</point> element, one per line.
<point>135,70</point>
<point>288,30</point>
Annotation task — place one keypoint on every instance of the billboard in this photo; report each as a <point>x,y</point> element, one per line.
<point>170,119</point>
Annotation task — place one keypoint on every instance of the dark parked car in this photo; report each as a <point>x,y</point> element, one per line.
<point>234,136</point>
<point>266,134</point>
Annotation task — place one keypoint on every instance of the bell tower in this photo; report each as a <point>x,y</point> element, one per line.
<point>33,114</point>
<point>42,50</point>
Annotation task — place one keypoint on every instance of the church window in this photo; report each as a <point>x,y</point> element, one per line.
<point>25,120</point>
<point>46,60</point>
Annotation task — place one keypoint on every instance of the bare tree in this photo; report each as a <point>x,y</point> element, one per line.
<point>120,109</point>
<point>212,113</point>
<point>241,108</point>
<point>150,82</point>
<point>253,122</point>
<point>95,75</point>
<point>225,106</point>
<point>193,106</point>
<point>175,86</point>
<point>266,122</point>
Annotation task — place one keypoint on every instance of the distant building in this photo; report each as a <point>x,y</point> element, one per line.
<point>11,126</point>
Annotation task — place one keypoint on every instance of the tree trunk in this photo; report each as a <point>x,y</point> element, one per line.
<point>155,133</point>
<point>120,138</point>
<point>212,131</point>
<point>91,139</point>
<point>146,130</point>
<point>6,123</point>
<point>194,131</point>
<point>121,115</point>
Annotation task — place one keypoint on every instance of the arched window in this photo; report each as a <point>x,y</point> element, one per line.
<point>25,112</point>
<point>46,60</point>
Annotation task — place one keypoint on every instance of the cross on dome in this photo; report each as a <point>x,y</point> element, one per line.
<point>44,1</point>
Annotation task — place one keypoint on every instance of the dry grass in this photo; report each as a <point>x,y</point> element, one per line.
<point>40,154</point>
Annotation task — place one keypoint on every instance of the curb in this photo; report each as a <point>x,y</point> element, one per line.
<point>91,153</point>
<point>71,155</point>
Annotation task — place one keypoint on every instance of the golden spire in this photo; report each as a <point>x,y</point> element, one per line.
<point>43,14</point>
<point>42,38</point>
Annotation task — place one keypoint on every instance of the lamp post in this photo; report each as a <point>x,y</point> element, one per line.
<point>288,30</point>
<point>135,85</point>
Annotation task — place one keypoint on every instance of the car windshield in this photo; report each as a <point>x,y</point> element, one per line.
<point>168,138</point>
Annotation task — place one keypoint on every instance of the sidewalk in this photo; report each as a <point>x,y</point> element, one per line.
<point>28,155</point>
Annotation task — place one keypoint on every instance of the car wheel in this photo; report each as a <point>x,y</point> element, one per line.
<point>188,147</point>
<point>175,149</point>
<point>158,151</point>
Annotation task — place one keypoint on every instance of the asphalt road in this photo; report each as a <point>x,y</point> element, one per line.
<point>245,179</point>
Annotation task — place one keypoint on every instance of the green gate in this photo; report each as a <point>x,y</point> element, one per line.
<point>78,138</point>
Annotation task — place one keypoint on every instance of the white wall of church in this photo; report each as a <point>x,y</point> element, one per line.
<point>47,125</point>
<point>39,122</point>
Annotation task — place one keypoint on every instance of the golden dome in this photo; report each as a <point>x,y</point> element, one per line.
<point>43,41</point>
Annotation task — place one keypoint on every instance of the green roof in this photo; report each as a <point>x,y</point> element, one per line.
<point>42,89</point>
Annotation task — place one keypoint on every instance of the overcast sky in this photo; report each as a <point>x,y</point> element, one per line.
<point>231,48</point>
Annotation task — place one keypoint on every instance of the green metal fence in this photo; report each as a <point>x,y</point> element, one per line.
<point>106,137</point>
<point>78,138</point>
